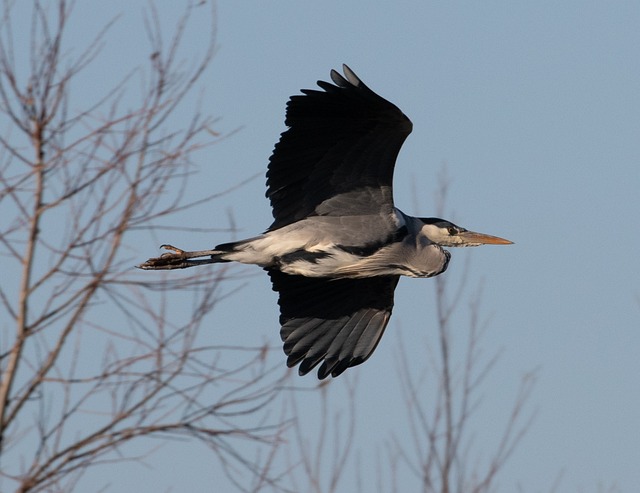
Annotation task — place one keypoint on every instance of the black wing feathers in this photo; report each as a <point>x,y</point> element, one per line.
<point>339,321</point>
<point>340,139</point>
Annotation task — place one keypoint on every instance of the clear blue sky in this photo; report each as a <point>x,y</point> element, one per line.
<point>535,108</point>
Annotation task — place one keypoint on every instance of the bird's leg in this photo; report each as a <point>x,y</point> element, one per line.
<point>179,259</point>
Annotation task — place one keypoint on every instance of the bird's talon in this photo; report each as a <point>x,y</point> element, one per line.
<point>171,248</point>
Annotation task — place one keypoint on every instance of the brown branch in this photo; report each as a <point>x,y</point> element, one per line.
<point>10,373</point>
<point>101,174</point>
<point>439,418</point>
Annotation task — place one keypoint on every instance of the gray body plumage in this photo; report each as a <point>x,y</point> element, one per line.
<point>354,246</point>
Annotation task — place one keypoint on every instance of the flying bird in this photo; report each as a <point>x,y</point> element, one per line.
<point>338,245</point>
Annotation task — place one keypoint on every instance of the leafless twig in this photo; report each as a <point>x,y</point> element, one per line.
<point>92,357</point>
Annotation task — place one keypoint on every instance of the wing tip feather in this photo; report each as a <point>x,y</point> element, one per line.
<point>348,79</point>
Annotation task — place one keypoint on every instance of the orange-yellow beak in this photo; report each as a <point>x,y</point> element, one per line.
<point>472,238</point>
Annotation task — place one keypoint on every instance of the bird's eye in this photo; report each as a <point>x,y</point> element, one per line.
<point>452,231</point>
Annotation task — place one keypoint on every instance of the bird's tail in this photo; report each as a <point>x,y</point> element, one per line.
<point>229,247</point>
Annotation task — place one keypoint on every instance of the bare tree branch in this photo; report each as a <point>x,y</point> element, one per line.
<point>442,438</point>
<point>93,358</point>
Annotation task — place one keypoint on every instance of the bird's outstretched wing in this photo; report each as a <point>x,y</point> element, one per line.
<point>339,321</point>
<point>342,140</point>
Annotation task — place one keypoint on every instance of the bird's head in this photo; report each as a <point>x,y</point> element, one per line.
<point>447,234</point>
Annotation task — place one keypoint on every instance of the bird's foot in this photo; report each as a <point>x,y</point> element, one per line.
<point>174,260</point>
<point>178,259</point>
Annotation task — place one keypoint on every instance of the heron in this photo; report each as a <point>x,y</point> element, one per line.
<point>338,245</point>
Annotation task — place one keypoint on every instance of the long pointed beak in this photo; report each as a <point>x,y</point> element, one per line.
<point>473,238</point>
